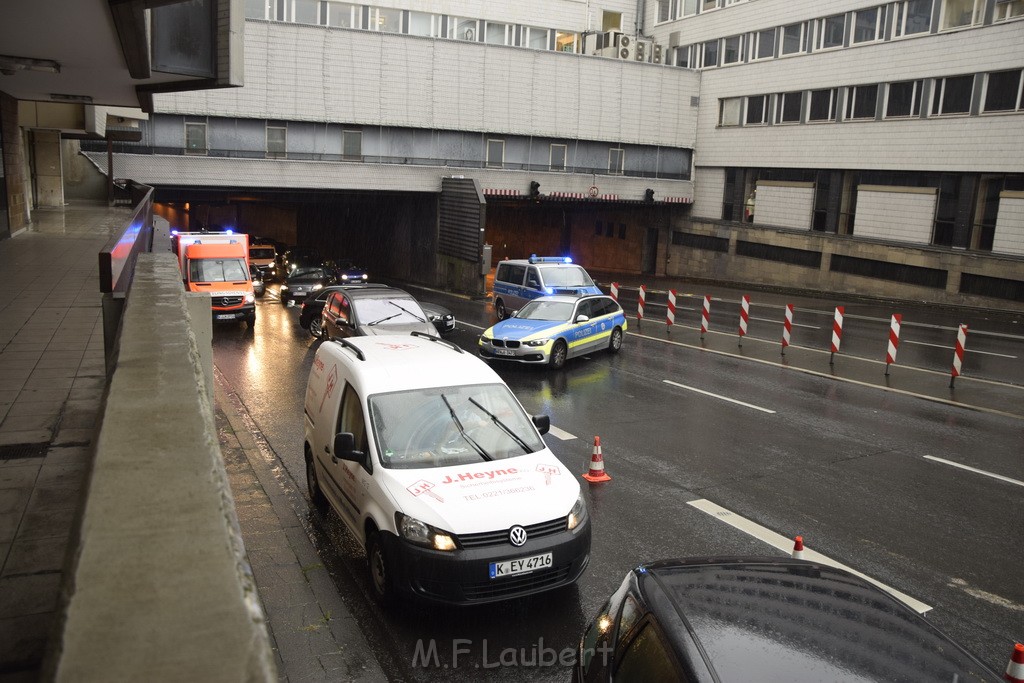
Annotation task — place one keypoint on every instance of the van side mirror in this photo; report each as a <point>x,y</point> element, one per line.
<point>542,423</point>
<point>345,448</point>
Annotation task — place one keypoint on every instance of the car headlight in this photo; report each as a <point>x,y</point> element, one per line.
<point>485,340</point>
<point>365,276</point>
<point>578,514</point>
<point>284,288</point>
<point>344,276</point>
<point>250,298</point>
<point>317,287</point>
<point>537,342</point>
<point>421,533</point>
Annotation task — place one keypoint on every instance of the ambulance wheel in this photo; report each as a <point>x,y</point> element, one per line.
<point>499,309</point>
<point>558,355</point>
<point>380,569</point>
<point>615,343</point>
<point>316,496</point>
<point>251,319</point>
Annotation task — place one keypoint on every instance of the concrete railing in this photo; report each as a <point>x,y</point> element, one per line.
<point>159,588</point>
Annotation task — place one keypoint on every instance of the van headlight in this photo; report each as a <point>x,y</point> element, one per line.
<point>537,342</point>
<point>421,533</point>
<point>284,288</point>
<point>578,514</point>
<point>250,298</point>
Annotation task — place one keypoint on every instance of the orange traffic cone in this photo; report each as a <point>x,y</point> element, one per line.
<point>798,548</point>
<point>1015,669</point>
<point>597,473</point>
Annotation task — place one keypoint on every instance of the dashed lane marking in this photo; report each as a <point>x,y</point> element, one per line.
<point>974,469</point>
<point>719,396</point>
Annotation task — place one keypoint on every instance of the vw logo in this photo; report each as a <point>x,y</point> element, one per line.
<point>517,535</point>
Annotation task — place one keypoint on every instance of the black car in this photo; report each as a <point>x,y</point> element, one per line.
<point>301,282</point>
<point>299,257</point>
<point>259,288</point>
<point>442,318</point>
<point>365,311</point>
<point>313,306</point>
<point>763,619</point>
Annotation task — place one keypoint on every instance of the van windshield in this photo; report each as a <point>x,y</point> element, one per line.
<point>566,276</point>
<point>444,426</point>
<point>217,270</point>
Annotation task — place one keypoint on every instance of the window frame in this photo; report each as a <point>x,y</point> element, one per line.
<point>621,169</point>
<point>938,99</point>
<point>852,102</point>
<point>833,105</point>
<point>780,107</point>
<point>551,157</point>
<point>492,144</point>
<point>822,30</point>
<point>916,97</point>
<point>273,154</point>
<point>704,52</point>
<point>749,107</point>
<point>739,51</point>
<point>901,16</point>
<point>206,140</point>
<point>977,11</point>
<point>1019,100</point>
<point>755,49</point>
<point>801,43</point>
<point>879,28</point>
<point>1003,7</point>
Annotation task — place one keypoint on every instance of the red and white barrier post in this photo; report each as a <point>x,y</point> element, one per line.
<point>615,290</point>
<point>787,328</point>
<point>894,341</point>
<point>670,318</point>
<point>958,356</point>
<point>640,305</point>
<point>744,316</point>
<point>837,333</point>
<point>705,316</point>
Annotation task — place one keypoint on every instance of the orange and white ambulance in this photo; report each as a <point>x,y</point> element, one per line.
<point>217,263</point>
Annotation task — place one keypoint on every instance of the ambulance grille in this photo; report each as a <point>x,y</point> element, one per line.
<point>227,301</point>
<point>487,538</point>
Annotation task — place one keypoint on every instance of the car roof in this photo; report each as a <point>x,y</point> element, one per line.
<point>400,362</point>
<point>795,620</point>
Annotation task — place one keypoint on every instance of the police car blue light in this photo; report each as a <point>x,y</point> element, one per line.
<point>552,329</point>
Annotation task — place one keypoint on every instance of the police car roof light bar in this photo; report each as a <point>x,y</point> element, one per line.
<point>550,259</point>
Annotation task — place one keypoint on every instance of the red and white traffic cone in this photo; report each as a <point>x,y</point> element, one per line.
<point>1015,669</point>
<point>798,548</point>
<point>597,474</point>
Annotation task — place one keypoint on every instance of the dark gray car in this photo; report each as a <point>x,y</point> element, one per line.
<point>372,311</point>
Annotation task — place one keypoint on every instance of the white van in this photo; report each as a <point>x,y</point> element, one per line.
<point>434,466</point>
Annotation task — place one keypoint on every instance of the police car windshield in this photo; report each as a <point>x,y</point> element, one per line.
<point>566,276</point>
<point>538,309</point>
<point>441,427</point>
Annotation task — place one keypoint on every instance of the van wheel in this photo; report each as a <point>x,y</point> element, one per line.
<point>316,496</point>
<point>251,319</point>
<point>499,309</point>
<point>380,570</point>
<point>316,327</point>
<point>558,355</point>
<point>615,343</point>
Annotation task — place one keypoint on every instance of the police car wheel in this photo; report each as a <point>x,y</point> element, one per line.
<point>499,309</point>
<point>615,343</point>
<point>316,496</point>
<point>558,355</point>
<point>380,569</point>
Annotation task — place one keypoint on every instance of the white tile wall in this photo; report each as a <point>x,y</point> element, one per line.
<point>901,216</point>
<point>1009,238</point>
<point>787,207</point>
<point>708,189</point>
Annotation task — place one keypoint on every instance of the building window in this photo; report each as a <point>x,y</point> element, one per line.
<point>616,160</point>
<point>497,34</point>
<point>957,13</point>
<point>861,102</point>
<point>764,47</point>
<point>277,141</point>
<point>912,16</point>
<point>868,25</point>
<point>342,15</point>
<point>565,42</point>
<point>689,8</point>
<point>831,31</point>
<point>1003,91</point>
<point>729,111</point>
<point>535,37</point>
<point>710,54</point>
<point>352,145</point>
<point>557,158</point>
<point>1008,9</point>
<point>952,95</point>
<point>463,29</point>
<point>423,24</point>
<point>708,5</point>
<point>789,107</point>
<point>823,105</point>
<point>793,38</point>
<point>667,10</point>
<point>903,99</point>
<point>757,110</point>
<point>733,52</point>
<point>307,12</point>
<point>255,9</point>
<point>385,20</point>
<point>195,138</point>
<point>682,56</point>
<point>495,153</point>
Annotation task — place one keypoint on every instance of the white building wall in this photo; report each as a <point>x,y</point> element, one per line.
<point>903,214</point>
<point>788,205</point>
<point>708,189</point>
<point>1009,237</point>
<point>315,73</point>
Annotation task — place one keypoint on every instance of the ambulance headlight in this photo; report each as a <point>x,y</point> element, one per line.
<point>578,514</point>
<point>284,288</point>
<point>250,298</point>
<point>421,533</point>
<point>537,342</point>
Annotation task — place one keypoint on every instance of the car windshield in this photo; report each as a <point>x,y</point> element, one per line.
<point>307,273</point>
<point>538,309</point>
<point>261,253</point>
<point>441,427</point>
<point>217,270</point>
<point>390,311</point>
<point>567,276</point>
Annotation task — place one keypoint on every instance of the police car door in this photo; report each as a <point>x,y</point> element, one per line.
<point>582,333</point>
<point>348,481</point>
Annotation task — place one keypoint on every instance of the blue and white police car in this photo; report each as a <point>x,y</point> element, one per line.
<point>553,329</point>
<point>519,281</point>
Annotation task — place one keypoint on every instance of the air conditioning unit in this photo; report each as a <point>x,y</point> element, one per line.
<point>627,47</point>
<point>657,54</point>
<point>643,51</point>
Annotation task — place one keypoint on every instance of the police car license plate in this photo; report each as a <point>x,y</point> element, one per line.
<point>229,316</point>
<point>504,352</point>
<point>523,565</point>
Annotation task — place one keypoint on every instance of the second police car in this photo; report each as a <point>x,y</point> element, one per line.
<point>519,281</point>
<point>553,329</point>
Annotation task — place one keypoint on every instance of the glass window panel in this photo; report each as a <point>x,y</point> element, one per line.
<point>823,105</point>
<point>537,38</point>
<point>565,42</point>
<point>756,108</point>
<point>733,50</point>
<point>1009,10</point>
<point>351,144</point>
<point>953,96</point>
<point>388,20</point>
<point>341,14</point>
<point>420,24</point>
<point>918,17</point>
<point>792,39</point>
<point>665,10</point>
<point>195,137</point>
<point>276,140</point>
<point>766,44</point>
<point>832,31</point>
<point>861,104</point>
<point>709,4</point>
<point>465,29</point>
<point>711,53</point>
<point>616,160</point>
<point>558,157</point>
<point>866,25</point>
<point>730,111</point>
<point>958,13</point>
<point>1003,91</point>
<point>495,153</point>
<point>904,99</point>
<point>495,33</point>
<point>307,11</point>
<point>789,107</point>
<point>256,9</point>
<point>689,7</point>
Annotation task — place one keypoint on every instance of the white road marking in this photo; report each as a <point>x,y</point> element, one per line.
<point>563,435</point>
<point>475,327</point>
<point>966,351</point>
<point>786,545</point>
<point>724,398</point>
<point>974,469</point>
<point>766,320</point>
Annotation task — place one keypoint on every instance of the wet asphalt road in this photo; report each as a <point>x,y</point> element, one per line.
<point>841,464</point>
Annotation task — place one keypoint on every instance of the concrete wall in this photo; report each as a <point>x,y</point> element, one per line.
<point>82,180</point>
<point>13,166</point>
<point>48,179</point>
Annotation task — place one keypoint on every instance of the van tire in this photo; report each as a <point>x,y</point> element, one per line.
<point>615,343</point>
<point>381,582</point>
<point>316,496</point>
<point>558,355</point>
<point>499,309</point>
<point>251,319</point>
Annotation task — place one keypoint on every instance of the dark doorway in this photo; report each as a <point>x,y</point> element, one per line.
<point>650,252</point>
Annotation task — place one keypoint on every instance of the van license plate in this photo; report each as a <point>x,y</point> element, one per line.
<point>504,352</point>
<point>523,565</point>
<point>229,316</point>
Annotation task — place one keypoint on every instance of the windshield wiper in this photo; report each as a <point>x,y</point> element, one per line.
<point>387,317</point>
<point>504,427</point>
<point>405,310</point>
<point>483,454</point>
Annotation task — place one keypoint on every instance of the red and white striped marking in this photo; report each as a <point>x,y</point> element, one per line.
<point>705,316</point>
<point>787,327</point>
<point>958,356</point>
<point>678,200</point>
<point>610,197</point>
<point>615,290</point>
<point>671,317</point>
<point>837,328</point>
<point>894,340</point>
<point>570,195</point>
<point>640,303</point>
<point>502,192</point>
<point>744,315</point>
